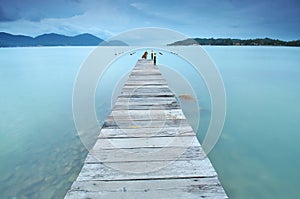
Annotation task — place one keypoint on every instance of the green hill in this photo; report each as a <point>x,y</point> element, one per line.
<point>235,42</point>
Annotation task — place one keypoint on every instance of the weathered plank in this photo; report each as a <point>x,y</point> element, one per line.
<point>146,123</point>
<point>173,114</point>
<point>146,82</point>
<point>166,131</point>
<point>147,86</point>
<point>147,154</point>
<point>145,95</point>
<point>151,103</point>
<point>146,90</point>
<point>148,142</point>
<point>161,188</point>
<point>149,99</point>
<point>144,74</point>
<point>147,107</point>
<point>147,170</point>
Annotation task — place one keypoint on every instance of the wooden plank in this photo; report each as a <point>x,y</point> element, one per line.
<point>148,99</point>
<point>166,102</point>
<point>129,101</point>
<point>147,154</point>
<point>146,142</point>
<point>149,72</point>
<point>146,92</point>
<point>148,78</point>
<point>147,170</point>
<point>145,89</point>
<point>146,86</point>
<point>166,131</point>
<point>143,73</point>
<point>149,189</point>
<point>146,107</point>
<point>143,66</point>
<point>145,95</point>
<point>145,83</point>
<point>135,124</point>
<point>147,114</point>
<point>136,101</point>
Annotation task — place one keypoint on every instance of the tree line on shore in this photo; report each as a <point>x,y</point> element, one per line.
<point>236,42</point>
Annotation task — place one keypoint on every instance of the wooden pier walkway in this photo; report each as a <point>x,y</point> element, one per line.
<point>146,148</point>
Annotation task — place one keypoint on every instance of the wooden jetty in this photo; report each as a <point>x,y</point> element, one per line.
<point>146,148</point>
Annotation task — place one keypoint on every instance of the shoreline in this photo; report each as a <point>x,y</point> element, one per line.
<point>8,47</point>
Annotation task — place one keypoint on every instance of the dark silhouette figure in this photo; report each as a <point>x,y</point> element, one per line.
<point>145,55</point>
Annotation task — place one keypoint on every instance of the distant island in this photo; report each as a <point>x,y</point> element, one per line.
<point>53,39</point>
<point>235,42</point>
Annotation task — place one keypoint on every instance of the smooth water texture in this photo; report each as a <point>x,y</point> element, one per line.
<point>40,154</point>
<point>257,155</point>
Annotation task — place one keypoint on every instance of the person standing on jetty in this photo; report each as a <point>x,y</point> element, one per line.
<point>145,55</point>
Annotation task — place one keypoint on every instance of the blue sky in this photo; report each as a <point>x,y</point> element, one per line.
<point>195,18</point>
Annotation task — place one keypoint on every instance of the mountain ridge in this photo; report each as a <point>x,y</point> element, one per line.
<point>49,39</point>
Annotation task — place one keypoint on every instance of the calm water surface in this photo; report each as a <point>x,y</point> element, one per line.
<point>257,155</point>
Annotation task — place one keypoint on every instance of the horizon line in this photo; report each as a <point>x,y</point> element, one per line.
<point>208,37</point>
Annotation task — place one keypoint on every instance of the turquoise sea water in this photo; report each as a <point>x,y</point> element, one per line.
<point>257,155</point>
<point>39,151</point>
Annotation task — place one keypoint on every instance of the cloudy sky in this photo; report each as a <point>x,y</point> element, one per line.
<point>195,18</point>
